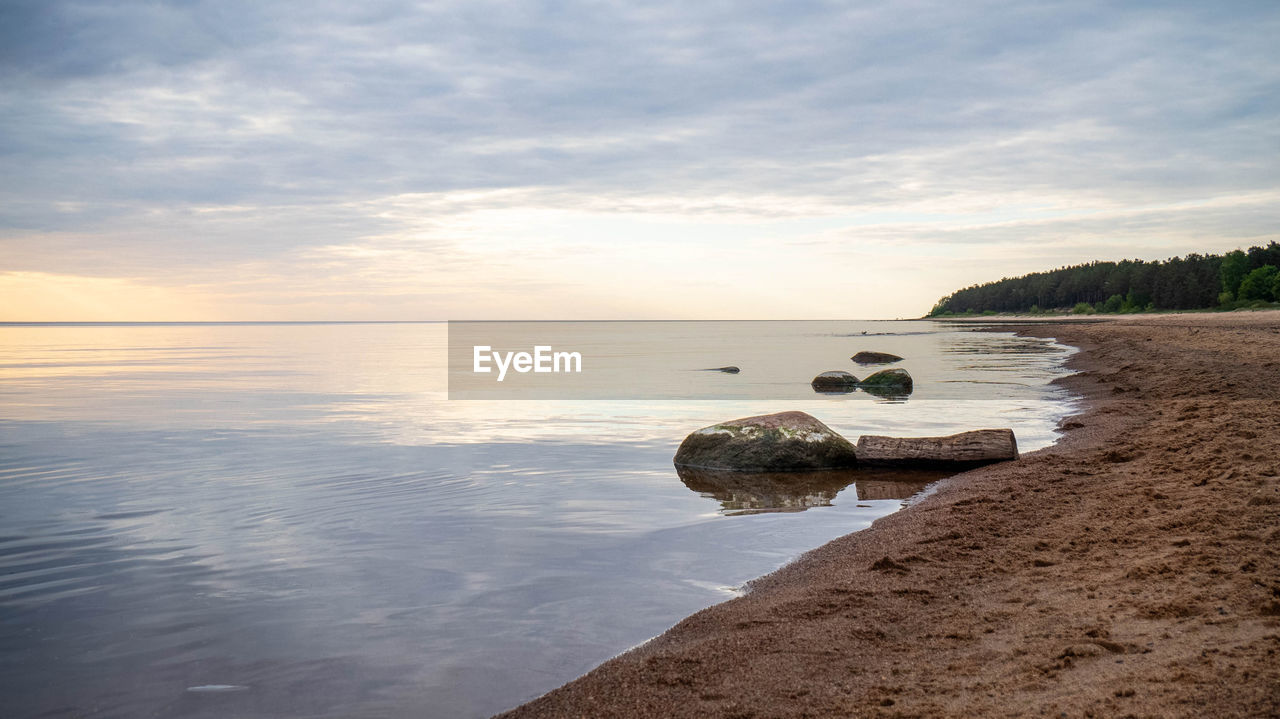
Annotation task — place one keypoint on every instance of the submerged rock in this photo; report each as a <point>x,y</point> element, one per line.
<point>875,358</point>
<point>767,443</point>
<point>893,381</point>
<point>967,449</point>
<point>835,381</point>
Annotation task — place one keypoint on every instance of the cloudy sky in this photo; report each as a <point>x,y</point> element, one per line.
<point>265,160</point>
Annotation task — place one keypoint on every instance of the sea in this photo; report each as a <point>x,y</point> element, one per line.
<point>296,520</point>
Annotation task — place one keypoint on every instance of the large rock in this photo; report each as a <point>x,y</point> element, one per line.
<point>786,441</point>
<point>875,358</point>
<point>835,381</point>
<point>967,449</point>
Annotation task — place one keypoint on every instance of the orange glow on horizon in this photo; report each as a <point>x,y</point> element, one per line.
<point>44,297</point>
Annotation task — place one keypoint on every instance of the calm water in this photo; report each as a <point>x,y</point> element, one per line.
<point>293,520</point>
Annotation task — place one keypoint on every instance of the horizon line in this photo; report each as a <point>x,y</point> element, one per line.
<point>82,323</point>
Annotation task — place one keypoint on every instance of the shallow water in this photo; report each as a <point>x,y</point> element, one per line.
<point>270,520</point>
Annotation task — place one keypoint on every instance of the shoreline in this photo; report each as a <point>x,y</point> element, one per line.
<point>1126,569</point>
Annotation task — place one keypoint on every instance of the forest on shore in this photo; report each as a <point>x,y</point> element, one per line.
<point>1241,278</point>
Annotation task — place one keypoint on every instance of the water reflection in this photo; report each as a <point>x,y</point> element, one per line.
<point>889,394</point>
<point>894,395</point>
<point>758,492</point>
<point>298,509</point>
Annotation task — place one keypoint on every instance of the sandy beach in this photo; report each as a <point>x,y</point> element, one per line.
<point>1129,570</point>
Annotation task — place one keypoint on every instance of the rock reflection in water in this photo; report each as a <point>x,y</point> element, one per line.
<point>754,492</point>
<point>891,394</point>
<point>883,394</point>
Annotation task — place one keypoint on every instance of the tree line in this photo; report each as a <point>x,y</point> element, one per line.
<point>1239,278</point>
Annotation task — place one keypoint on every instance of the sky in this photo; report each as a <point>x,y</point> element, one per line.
<point>262,160</point>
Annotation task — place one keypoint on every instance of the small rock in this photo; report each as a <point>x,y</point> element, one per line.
<point>896,379</point>
<point>875,358</point>
<point>834,381</point>
<point>1081,650</point>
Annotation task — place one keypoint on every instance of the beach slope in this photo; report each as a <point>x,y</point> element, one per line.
<point>1129,570</point>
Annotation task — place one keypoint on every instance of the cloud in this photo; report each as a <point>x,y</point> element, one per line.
<point>155,138</point>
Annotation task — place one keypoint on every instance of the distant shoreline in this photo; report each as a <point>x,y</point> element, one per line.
<point>1126,569</point>
<point>1070,317</point>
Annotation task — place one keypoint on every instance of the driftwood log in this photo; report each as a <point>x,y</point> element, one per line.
<point>967,449</point>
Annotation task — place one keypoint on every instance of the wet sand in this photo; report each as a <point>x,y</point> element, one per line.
<point>1132,569</point>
